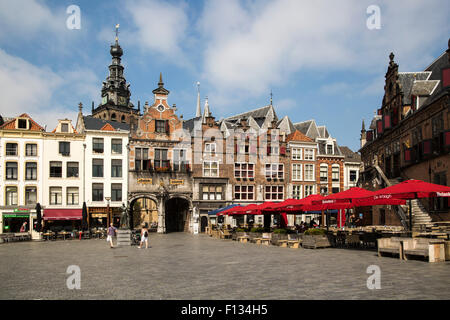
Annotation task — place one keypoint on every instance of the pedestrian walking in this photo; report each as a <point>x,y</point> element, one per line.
<point>111,233</point>
<point>144,237</point>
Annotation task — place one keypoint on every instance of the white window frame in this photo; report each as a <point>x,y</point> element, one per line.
<point>210,148</point>
<point>272,193</point>
<point>246,192</point>
<point>338,167</point>
<point>77,197</point>
<point>210,168</point>
<point>313,172</point>
<point>298,194</point>
<point>320,173</point>
<point>297,153</point>
<point>297,175</point>
<point>59,191</point>
<point>312,190</point>
<point>309,152</point>
<point>273,171</point>
<point>246,171</point>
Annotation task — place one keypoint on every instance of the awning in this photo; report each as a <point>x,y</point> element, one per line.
<point>62,214</point>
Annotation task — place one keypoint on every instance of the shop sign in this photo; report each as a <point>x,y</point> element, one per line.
<point>15,215</point>
<point>21,210</point>
<point>99,215</point>
<point>145,181</point>
<point>176,181</point>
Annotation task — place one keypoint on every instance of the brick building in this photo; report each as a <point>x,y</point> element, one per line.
<point>409,138</point>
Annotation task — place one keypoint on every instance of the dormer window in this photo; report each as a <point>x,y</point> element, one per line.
<point>64,127</point>
<point>329,149</point>
<point>22,123</point>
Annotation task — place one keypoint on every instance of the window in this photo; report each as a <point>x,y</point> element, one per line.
<point>210,168</point>
<point>64,127</point>
<point>30,195</point>
<point>161,126</point>
<point>97,192</point>
<point>244,170</point>
<point>97,145</point>
<point>141,159</point>
<point>55,169</point>
<point>309,154</point>
<point>309,172</point>
<point>179,160</point>
<point>309,190</point>
<point>353,175</point>
<point>55,195</point>
<point>64,148</point>
<point>244,192</point>
<point>11,171</point>
<point>31,171</point>
<point>335,190</point>
<point>323,190</point>
<point>273,150</point>
<point>296,172</point>
<point>11,196</point>
<point>22,123</point>
<point>329,149</point>
<point>296,192</point>
<point>97,168</point>
<point>335,173</point>
<point>274,171</point>
<point>212,192</point>
<point>274,192</point>
<point>116,146</point>
<point>116,192</point>
<point>72,195</point>
<point>116,168</point>
<point>210,149</point>
<point>72,169</point>
<point>31,150</point>
<point>11,149</point>
<point>161,160</point>
<point>297,154</point>
<point>323,173</point>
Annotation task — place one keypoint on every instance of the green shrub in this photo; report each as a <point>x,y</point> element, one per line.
<point>318,232</point>
<point>240,230</point>
<point>280,231</point>
<point>257,229</point>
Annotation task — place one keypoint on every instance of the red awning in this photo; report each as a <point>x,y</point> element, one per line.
<point>63,214</point>
<point>344,199</point>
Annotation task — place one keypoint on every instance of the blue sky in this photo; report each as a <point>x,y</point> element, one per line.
<point>318,57</point>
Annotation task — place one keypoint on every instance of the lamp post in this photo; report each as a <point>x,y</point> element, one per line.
<point>107,211</point>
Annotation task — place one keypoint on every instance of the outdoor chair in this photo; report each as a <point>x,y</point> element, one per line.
<point>352,240</point>
<point>432,249</point>
<point>266,239</point>
<point>392,246</point>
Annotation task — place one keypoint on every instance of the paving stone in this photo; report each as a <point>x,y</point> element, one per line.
<point>185,266</point>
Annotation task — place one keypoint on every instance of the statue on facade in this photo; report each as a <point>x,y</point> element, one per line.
<point>124,217</point>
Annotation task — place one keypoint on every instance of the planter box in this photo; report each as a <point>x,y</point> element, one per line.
<point>277,237</point>
<point>315,241</point>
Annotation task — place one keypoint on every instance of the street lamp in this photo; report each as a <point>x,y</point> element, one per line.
<point>107,211</point>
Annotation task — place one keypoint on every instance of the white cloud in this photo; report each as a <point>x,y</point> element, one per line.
<point>253,46</point>
<point>44,94</point>
<point>160,27</point>
<point>27,18</point>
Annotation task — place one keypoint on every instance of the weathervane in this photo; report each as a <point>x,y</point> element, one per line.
<point>117,32</point>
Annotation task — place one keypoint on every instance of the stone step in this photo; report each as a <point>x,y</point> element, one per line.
<point>123,237</point>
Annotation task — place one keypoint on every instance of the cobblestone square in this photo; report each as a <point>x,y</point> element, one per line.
<point>185,266</point>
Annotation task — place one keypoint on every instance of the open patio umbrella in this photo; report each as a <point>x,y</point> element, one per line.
<point>38,217</point>
<point>410,189</point>
<point>220,210</point>
<point>84,225</point>
<point>229,210</point>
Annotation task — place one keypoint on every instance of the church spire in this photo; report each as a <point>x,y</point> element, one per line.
<point>161,89</point>
<point>198,113</point>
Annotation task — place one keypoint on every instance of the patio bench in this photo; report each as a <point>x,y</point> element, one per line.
<point>245,238</point>
<point>391,246</point>
<point>266,239</point>
<point>225,234</point>
<point>432,249</point>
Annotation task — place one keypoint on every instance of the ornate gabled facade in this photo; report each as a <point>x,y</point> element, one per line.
<point>409,135</point>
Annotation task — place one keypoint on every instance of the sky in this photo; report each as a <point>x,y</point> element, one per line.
<point>319,58</point>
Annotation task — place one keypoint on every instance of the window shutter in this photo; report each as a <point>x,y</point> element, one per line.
<point>268,150</point>
<point>282,150</point>
<point>61,150</point>
<point>379,126</point>
<point>167,127</point>
<point>426,147</point>
<point>387,121</point>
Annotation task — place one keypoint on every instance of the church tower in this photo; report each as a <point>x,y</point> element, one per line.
<point>116,104</point>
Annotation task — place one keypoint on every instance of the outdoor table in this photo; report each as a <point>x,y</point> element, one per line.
<point>64,234</point>
<point>48,235</point>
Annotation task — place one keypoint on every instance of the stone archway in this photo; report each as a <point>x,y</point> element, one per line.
<point>177,214</point>
<point>144,211</point>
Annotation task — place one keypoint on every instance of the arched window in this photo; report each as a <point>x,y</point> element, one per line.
<point>123,119</point>
<point>113,116</point>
